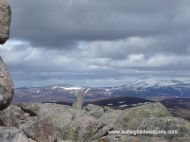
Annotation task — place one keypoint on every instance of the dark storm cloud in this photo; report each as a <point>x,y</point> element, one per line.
<point>48,23</point>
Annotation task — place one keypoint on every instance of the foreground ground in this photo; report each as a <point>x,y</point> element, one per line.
<point>179,107</point>
<point>50,122</point>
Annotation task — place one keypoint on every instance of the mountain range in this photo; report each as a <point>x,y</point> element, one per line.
<point>149,89</point>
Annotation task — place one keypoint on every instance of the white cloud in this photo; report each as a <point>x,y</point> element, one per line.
<point>23,55</point>
<point>141,61</point>
<point>28,63</point>
<point>119,49</point>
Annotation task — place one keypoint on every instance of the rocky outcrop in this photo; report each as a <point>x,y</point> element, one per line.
<point>131,118</point>
<point>94,110</point>
<point>13,116</point>
<point>40,130</point>
<point>6,85</point>
<point>5,16</point>
<point>13,135</point>
<point>70,124</point>
<point>167,123</point>
<point>79,125</point>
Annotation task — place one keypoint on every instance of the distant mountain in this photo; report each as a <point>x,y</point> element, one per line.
<point>145,89</point>
<point>44,94</point>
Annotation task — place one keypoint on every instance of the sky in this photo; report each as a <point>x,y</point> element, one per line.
<point>97,42</point>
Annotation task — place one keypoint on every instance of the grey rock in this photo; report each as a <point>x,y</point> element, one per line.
<point>110,117</point>
<point>108,109</point>
<point>61,140</point>
<point>167,123</point>
<point>131,118</point>
<point>6,86</point>
<point>13,135</point>
<point>153,139</point>
<point>80,125</point>
<point>32,108</point>
<point>40,130</point>
<point>13,116</point>
<point>82,128</point>
<point>5,18</point>
<point>102,132</point>
<point>59,114</point>
<point>180,139</point>
<point>128,138</point>
<point>119,138</point>
<point>94,110</point>
<point>152,116</point>
<point>70,124</point>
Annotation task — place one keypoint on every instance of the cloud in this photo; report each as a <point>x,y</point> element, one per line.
<point>29,64</point>
<point>95,42</point>
<point>64,22</point>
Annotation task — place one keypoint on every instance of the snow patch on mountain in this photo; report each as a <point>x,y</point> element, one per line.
<point>66,88</point>
<point>151,82</point>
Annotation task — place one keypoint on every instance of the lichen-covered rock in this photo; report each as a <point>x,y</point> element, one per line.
<point>104,131</point>
<point>142,138</point>
<point>181,126</point>
<point>59,114</point>
<point>6,86</point>
<point>70,124</point>
<point>108,109</point>
<point>94,110</point>
<point>78,125</point>
<point>180,139</point>
<point>82,128</point>
<point>32,108</point>
<point>110,117</point>
<point>5,18</point>
<point>13,116</point>
<point>131,118</point>
<point>40,130</point>
<point>61,140</point>
<point>13,135</point>
<point>120,138</point>
<point>127,138</point>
